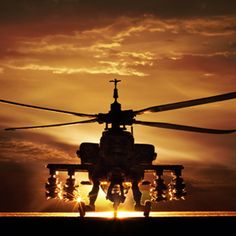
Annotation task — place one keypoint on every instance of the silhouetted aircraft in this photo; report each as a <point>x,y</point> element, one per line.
<point>117,163</point>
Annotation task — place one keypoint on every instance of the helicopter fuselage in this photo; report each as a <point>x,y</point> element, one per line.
<point>116,151</point>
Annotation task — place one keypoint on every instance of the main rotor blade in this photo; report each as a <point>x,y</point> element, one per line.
<point>189,103</point>
<point>183,127</point>
<point>53,125</point>
<point>49,109</point>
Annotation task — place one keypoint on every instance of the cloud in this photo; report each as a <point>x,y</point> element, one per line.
<point>25,150</point>
<point>209,64</point>
<point>129,47</point>
<point>13,10</point>
<point>215,26</point>
<point>114,68</point>
<point>34,148</point>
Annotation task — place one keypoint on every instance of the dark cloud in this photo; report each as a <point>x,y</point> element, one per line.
<point>13,10</point>
<point>215,64</point>
<point>29,146</point>
<point>232,45</point>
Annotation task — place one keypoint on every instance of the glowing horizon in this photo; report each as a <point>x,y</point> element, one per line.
<point>122,214</point>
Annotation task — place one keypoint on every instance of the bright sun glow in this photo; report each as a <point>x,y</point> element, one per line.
<point>110,214</point>
<point>79,199</point>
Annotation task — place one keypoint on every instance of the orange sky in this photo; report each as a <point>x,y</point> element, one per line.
<point>61,54</point>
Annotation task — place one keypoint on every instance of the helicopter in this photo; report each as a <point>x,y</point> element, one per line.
<point>117,164</point>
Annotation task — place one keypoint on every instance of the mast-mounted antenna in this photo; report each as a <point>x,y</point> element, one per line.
<point>115,94</point>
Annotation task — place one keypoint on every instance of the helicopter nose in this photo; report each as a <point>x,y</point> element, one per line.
<point>117,151</point>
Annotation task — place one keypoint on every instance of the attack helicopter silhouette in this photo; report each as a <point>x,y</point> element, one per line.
<point>117,163</point>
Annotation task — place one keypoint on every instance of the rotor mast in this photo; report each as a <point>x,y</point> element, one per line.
<point>115,111</point>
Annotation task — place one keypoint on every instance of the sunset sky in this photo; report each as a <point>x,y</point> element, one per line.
<point>62,53</point>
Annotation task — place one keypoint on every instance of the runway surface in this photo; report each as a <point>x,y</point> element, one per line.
<point>126,223</point>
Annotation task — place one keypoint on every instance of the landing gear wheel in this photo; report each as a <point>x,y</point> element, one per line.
<point>82,209</point>
<point>147,208</point>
